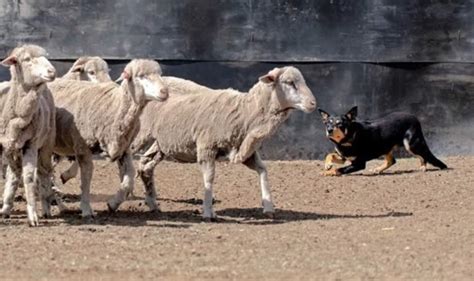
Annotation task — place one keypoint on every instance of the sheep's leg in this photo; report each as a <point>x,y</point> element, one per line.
<point>30,161</point>
<point>45,174</point>
<point>3,164</point>
<point>249,145</point>
<point>146,166</point>
<point>127,173</point>
<point>208,171</point>
<point>87,167</point>
<point>12,182</point>
<point>70,173</point>
<point>255,163</point>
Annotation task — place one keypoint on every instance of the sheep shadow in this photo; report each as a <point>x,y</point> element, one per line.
<point>129,218</point>
<point>255,216</point>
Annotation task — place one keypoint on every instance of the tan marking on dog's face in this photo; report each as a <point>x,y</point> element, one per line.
<point>337,135</point>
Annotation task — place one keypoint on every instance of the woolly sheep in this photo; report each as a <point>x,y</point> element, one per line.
<point>104,117</point>
<point>93,69</point>
<point>208,124</point>
<point>27,128</point>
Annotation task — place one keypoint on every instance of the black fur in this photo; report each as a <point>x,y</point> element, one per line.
<point>366,140</point>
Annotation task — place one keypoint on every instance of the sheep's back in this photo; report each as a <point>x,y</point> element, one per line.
<point>86,107</point>
<point>217,121</point>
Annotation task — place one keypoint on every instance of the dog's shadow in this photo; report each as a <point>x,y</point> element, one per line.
<point>367,173</point>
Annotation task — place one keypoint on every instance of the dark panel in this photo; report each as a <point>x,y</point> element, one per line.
<point>252,30</point>
<point>441,95</point>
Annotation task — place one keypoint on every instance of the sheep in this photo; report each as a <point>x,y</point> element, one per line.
<point>27,128</point>
<point>104,117</point>
<point>93,69</point>
<point>210,124</point>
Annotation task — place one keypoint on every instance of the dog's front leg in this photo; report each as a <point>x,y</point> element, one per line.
<point>332,158</point>
<point>353,167</point>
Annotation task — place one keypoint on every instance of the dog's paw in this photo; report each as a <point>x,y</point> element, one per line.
<point>332,173</point>
<point>327,166</point>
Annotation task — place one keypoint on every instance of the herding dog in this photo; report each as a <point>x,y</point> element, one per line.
<point>362,141</point>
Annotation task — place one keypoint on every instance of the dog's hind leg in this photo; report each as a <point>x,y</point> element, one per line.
<point>415,143</point>
<point>389,162</point>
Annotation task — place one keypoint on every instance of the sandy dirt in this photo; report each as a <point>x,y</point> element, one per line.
<point>402,225</point>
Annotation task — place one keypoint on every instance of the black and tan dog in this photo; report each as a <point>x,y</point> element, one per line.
<point>362,141</point>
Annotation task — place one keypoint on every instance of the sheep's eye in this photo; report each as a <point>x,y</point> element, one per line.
<point>141,76</point>
<point>91,72</point>
<point>27,59</point>
<point>291,83</point>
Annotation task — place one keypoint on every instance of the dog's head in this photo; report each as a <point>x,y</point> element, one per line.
<point>338,127</point>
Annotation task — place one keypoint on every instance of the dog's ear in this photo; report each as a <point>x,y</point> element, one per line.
<point>351,115</point>
<point>324,115</point>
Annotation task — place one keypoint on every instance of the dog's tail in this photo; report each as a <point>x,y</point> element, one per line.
<point>415,143</point>
<point>430,158</point>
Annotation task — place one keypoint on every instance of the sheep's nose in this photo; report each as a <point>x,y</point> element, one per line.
<point>312,103</point>
<point>51,72</point>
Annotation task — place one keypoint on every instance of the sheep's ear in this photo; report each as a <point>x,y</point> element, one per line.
<point>352,114</point>
<point>9,61</point>
<point>324,115</point>
<point>123,76</point>
<point>78,66</point>
<point>270,77</point>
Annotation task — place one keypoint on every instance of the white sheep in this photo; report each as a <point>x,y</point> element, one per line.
<point>208,124</point>
<point>104,118</point>
<point>93,69</point>
<point>27,128</point>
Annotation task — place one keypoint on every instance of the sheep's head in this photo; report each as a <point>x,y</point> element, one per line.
<point>143,79</point>
<point>29,65</point>
<point>93,69</point>
<point>290,88</point>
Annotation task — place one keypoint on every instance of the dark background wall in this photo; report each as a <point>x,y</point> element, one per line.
<point>382,55</point>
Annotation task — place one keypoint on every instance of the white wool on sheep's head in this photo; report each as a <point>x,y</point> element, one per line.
<point>291,89</point>
<point>29,65</point>
<point>145,76</point>
<point>93,69</point>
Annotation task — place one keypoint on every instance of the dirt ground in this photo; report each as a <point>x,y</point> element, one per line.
<point>402,225</point>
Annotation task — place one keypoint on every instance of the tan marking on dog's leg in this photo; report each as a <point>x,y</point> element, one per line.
<point>332,158</point>
<point>389,161</point>
<point>422,163</point>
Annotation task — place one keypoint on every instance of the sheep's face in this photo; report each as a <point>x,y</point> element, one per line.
<point>30,65</point>
<point>291,89</point>
<point>93,69</point>
<point>145,76</point>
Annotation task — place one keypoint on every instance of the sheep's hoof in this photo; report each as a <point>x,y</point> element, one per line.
<point>88,219</point>
<point>269,215</point>
<point>155,211</point>
<point>45,216</point>
<point>210,219</point>
<point>110,208</point>
<point>33,223</point>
